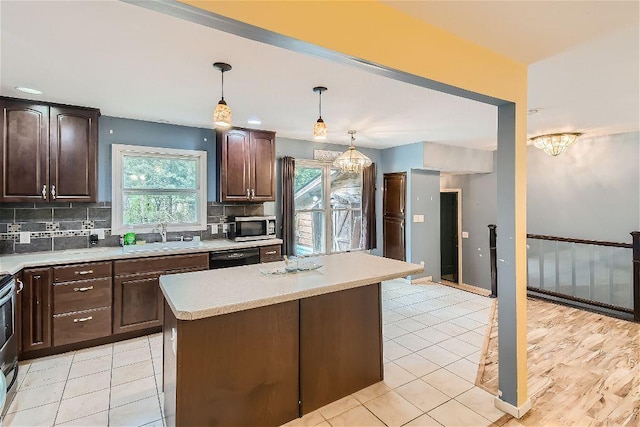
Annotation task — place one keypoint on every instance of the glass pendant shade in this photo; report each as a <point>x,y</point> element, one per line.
<point>222,113</point>
<point>320,129</point>
<point>352,161</point>
<point>555,143</point>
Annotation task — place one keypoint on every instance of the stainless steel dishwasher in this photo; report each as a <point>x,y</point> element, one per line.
<point>233,258</point>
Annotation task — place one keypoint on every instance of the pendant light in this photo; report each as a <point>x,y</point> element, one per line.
<point>222,113</point>
<point>352,161</point>
<point>320,128</point>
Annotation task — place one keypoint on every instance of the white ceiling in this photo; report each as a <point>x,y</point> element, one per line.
<point>135,63</point>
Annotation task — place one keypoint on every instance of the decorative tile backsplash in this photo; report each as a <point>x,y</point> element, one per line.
<point>68,225</point>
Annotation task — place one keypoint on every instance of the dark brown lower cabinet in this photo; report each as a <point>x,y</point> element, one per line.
<point>138,302</point>
<point>269,365</point>
<point>81,326</point>
<point>36,308</point>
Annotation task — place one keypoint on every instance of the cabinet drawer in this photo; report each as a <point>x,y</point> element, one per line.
<point>161,264</point>
<point>270,253</point>
<point>81,295</point>
<point>81,326</point>
<point>91,270</point>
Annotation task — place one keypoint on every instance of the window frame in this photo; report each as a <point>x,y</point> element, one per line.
<point>327,210</point>
<point>118,151</point>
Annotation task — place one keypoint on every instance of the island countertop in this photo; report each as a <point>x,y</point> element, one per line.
<point>203,294</point>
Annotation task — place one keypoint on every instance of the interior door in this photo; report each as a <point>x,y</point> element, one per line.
<point>449,236</point>
<point>394,215</point>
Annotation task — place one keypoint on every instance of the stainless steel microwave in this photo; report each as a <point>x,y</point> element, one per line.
<point>253,228</point>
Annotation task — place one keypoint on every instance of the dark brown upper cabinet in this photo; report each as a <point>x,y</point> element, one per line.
<point>246,165</point>
<point>48,152</point>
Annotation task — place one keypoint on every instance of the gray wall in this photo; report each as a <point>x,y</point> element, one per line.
<point>425,236</point>
<point>113,130</point>
<point>423,197</point>
<point>478,211</point>
<point>592,191</point>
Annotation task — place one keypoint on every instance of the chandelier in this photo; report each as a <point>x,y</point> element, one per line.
<point>222,113</point>
<point>352,161</point>
<point>555,143</point>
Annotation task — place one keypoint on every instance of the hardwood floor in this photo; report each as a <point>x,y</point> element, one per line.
<point>584,368</point>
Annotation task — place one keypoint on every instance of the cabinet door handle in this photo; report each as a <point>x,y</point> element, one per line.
<point>84,272</point>
<point>253,193</point>
<point>53,191</point>
<point>44,191</point>
<point>270,253</point>
<point>248,193</point>
<point>85,289</point>
<point>82,319</point>
<point>20,287</point>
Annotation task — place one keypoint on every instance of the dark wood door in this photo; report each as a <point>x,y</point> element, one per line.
<point>73,154</point>
<point>137,302</point>
<point>262,169</point>
<point>394,219</point>
<point>449,236</point>
<point>233,164</point>
<point>24,152</point>
<point>36,308</point>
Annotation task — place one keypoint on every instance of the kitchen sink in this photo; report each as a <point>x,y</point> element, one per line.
<point>160,246</point>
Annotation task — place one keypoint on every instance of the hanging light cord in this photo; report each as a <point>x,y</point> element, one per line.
<point>222,79</point>
<point>320,104</point>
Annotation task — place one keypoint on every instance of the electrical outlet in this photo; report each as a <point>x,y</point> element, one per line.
<point>99,232</point>
<point>465,234</point>
<point>225,227</point>
<point>214,228</point>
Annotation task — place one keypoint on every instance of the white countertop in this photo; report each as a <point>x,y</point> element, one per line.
<point>14,263</point>
<point>202,294</point>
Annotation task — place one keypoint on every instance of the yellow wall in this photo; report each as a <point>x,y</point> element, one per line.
<point>379,33</point>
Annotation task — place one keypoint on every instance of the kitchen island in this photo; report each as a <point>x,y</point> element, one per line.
<point>246,348</point>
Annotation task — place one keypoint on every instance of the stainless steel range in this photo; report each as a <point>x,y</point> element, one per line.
<point>8,338</point>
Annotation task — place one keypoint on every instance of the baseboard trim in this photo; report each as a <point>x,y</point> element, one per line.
<point>515,411</point>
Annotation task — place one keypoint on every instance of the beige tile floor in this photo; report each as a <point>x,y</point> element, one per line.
<point>433,337</point>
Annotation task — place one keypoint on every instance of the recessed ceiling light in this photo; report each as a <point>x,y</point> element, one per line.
<point>254,122</point>
<point>29,90</point>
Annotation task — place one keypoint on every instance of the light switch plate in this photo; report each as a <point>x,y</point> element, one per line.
<point>214,228</point>
<point>25,237</point>
<point>418,218</point>
<point>465,234</point>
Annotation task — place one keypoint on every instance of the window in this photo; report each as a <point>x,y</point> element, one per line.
<point>153,185</point>
<point>328,209</point>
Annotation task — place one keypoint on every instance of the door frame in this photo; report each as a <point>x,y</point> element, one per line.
<point>458,192</point>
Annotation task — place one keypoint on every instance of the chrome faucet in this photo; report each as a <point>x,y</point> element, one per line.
<point>162,230</point>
